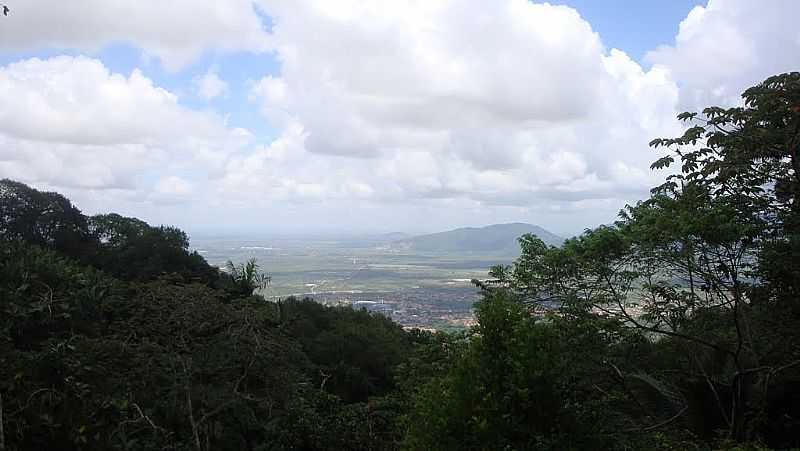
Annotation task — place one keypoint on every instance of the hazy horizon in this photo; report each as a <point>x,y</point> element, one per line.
<point>256,233</point>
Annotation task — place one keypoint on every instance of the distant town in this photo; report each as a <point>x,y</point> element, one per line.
<point>420,282</point>
<point>420,308</point>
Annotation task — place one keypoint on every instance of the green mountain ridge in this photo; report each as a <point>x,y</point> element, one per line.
<point>497,239</point>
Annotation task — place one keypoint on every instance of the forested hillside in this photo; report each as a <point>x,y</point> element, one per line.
<point>677,327</point>
<point>114,336</point>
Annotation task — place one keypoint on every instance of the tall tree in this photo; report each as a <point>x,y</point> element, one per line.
<point>43,218</point>
<point>708,261</point>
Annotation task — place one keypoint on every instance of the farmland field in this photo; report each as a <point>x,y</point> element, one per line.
<point>414,288</point>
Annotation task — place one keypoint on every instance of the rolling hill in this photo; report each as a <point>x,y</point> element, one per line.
<point>497,239</point>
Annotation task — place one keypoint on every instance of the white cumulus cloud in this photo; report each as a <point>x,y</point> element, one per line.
<point>395,111</point>
<point>507,103</point>
<point>729,45</point>
<point>71,123</point>
<point>175,31</point>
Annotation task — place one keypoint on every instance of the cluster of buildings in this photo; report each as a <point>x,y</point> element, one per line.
<point>427,308</point>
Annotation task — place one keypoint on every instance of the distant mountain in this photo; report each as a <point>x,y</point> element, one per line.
<point>498,239</point>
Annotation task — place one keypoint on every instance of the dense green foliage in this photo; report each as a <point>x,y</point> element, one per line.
<point>674,328</point>
<point>114,336</point>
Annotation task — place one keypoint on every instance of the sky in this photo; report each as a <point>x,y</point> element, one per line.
<point>345,116</point>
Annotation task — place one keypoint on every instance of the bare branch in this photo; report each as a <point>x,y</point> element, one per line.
<point>661,424</point>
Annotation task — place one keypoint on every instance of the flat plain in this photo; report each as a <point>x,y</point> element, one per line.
<point>415,289</point>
